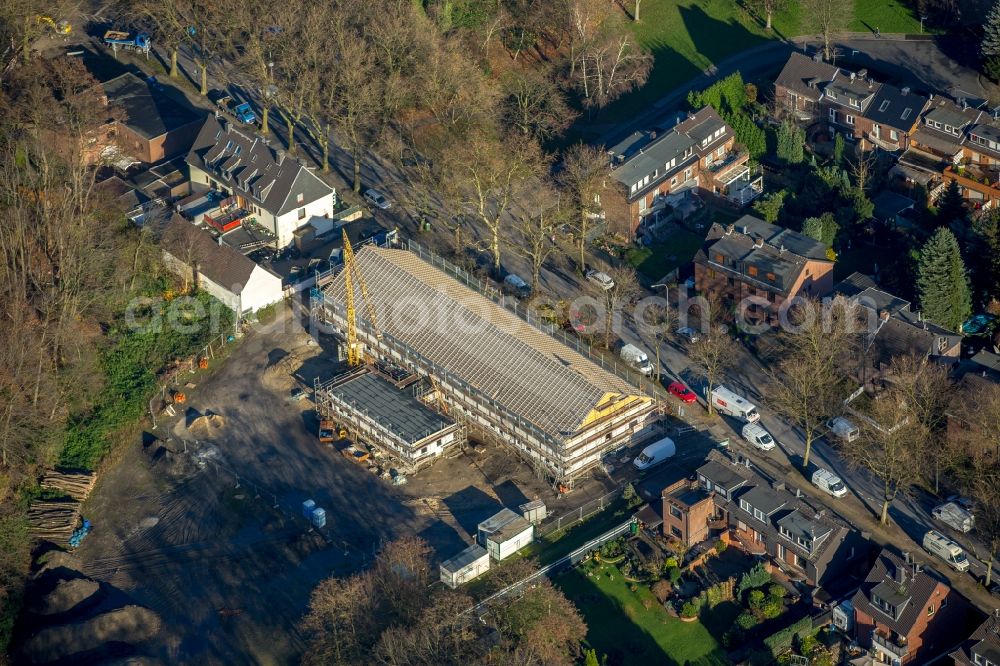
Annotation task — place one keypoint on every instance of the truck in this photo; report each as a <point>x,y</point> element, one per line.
<point>731,404</point>
<point>941,546</point>
<point>654,454</point>
<point>326,431</point>
<point>954,516</point>
<point>843,429</point>
<point>637,359</point>
<point>226,102</point>
<point>829,482</point>
<point>129,41</point>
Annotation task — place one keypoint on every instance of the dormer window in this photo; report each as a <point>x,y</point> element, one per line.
<point>688,152</point>
<point>719,259</point>
<point>238,150</point>
<point>855,103</point>
<point>704,142</point>
<point>229,144</point>
<point>949,129</point>
<point>830,94</point>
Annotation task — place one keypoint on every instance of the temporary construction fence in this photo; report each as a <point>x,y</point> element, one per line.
<point>579,514</point>
<point>174,378</point>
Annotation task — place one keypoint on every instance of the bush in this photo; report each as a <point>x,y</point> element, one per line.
<point>746,620</point>
<point>670,563</point>
<point>720,546</point>
<point>758,576</point>
<point>662,589</point>
<point>775,591</point>
<point>756,599</point>
<point>674,575</point>
<point>771,609</point>
<point>689,609</point>
<point>782,640</point>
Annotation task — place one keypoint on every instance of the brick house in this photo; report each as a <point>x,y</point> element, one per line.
<point>699,153</point>
<point>905,613</point>
<point>798,89</point>
<point>752,259</point>
<point>763,518</point>
<point>155,126</point>
<point>983,646</point>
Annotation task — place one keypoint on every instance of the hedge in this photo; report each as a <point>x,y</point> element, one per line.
<point>782,640</point>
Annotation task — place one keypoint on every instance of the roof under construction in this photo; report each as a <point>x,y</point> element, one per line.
<point>504,358</point>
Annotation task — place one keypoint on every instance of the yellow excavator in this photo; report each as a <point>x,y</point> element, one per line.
<point>60,27</point>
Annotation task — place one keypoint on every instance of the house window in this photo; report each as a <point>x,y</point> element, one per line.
<point>675,512</point>
<point>423,450</point>
<point>770,276</point>
<point>302,213</point>
<point>930,610</point>
<point>299,198</point>
<point>676,532</point>
<point>830,94</point>
<point>759,515</point>
<point>906,113</point>
<point>884,105</point>
<point>948,128</point>
<point>800,561</point>
<point>849,120</point>
<point>746,506</point>
<point>687,174</point>
<point>752,271</point>
<point>711,273</point>
<point>720,151</point>
<point>894,135</point>
<point>833,115</point>
<point>719,259</point>
<point>673,181</point>
<point>855,103</point>
<point>719,132</point>
<point>642,204</point>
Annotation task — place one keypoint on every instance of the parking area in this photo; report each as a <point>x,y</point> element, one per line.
<point>202,522</point>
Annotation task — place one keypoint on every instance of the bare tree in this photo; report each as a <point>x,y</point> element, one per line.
<point>609,67</point>
<point>714,351</point>
<point>534,232</point>
<point>534,105</point>
<point>768,8</point>
<point>658,318</point>
<point>827,18</point>
<point>808,384</point>
<point>626,287</point>
<point>886,448</point>
<point>168,21</point>
<point>583,172</point>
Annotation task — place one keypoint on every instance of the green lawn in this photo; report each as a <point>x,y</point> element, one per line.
<point>655,261</point>
<point>620,625</point>
<point>688,36</point>
<point>551,547</point>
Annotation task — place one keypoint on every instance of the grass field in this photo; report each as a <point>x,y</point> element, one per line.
<point>655,261</point>
<point>688,36</point>
<point>650,636</point>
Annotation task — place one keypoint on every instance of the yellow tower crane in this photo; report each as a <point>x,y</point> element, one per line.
<point>352,274</point>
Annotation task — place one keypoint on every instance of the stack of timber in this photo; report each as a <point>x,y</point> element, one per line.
<point>75,484</point>
<point>55,519</point>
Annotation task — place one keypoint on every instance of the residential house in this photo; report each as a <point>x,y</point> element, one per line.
<point>894,329</point>
<point>766,519</point>
<point>155,125</point>
<point>905,613</point>
<point>756,267</point>
<point>983,646</point>
<point>240,284</point>
<point>260,182</point>
<point>798,89</point>
<point>698,154</point>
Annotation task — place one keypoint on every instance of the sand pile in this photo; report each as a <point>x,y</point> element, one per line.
<point>207,425</point>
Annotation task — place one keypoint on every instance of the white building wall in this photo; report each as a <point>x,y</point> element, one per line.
<point>501,551</point>
<point>262,289</point>
<point>289,222</point>
<point>226,296</point>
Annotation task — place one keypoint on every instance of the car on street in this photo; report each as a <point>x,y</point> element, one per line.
<point>758,436</point>
<point>377,199</point>
<point>681,392</point>
<point>602,280</point>
<point>689,334</point>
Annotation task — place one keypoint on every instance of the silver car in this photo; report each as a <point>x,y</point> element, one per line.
<point>602,280</point>
<point>376,198</point>
<point>689,334</point>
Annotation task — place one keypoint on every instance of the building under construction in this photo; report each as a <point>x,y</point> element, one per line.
<point>386,411</point>
<point>493,372</point>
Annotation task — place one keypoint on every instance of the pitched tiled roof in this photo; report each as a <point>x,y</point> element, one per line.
<point>219,263</point>
<point>984,641</point>
<point>898,108</point>
<point>910,597</point>
<point>805,76</point>
<point>148,113</point>
<point>246,163</point>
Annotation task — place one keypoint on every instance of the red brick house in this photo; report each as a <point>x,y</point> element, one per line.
<point>755,267</point>
<point>798,89</point>
<point>904,613</point>
<point>699,153</point>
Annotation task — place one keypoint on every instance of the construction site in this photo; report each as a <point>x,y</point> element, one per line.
<point>491,374</point>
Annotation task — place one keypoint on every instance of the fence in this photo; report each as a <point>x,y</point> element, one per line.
<point>190,365</point>
<point>529,315</point>
<point>566,560</point>
<point>578,515</point>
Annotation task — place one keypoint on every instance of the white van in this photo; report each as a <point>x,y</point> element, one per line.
<point>729,403</point>
<point>829,482</point>
<point>758,436</point>
<point>637,359</point>
<point>938,544</point>
<point>954,516</point>
<point>655,453</point>
<point>843,429</point>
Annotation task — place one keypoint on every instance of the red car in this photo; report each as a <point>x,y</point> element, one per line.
<point>681,392</point>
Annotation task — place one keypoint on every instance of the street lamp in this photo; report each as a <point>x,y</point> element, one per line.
<point>270,72</point>
<point>922,19</point>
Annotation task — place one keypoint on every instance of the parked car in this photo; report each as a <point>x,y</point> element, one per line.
<point>954,516</point>
<point>636,358</point>
<point>689,334</point>
<point>758,436</point>
<point>602,280</point>
<point>946,549</point>
<point>681,392</point>
<point>829,482</point>
<point>843,429</point>
<point>654,454</point>
<point>377,199</point>
<point>515,285</point>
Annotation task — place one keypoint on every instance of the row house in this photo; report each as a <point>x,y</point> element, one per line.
<point>904,613</point>
<point>849,103</point>
<point>698,154</point>
<point>983,646</point>
<point>763,519</point>
<point>755,266</point>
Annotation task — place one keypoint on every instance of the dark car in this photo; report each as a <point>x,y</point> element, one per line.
<point>681,392</point>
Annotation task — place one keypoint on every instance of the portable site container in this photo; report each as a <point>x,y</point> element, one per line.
<point>534,512</point>
<point>509,539</point>
<point>319,517</point>
<point>307,508</point>
<point>471,563</point>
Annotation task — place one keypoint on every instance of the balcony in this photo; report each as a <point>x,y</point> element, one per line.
<point>889,146</point>
<point>730,168</point>
<point>982,181</point>
<point>895,647</point>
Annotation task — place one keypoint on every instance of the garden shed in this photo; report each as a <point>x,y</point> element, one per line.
<point>471,563</point>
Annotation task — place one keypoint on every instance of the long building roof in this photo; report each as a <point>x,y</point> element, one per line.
<point>505,359</point>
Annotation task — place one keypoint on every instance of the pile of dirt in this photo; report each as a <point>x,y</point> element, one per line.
<point>67,595</point>
<point>57,559</point>
<point>131,624</point>
<point>279,376</point>
<point>206,425</point>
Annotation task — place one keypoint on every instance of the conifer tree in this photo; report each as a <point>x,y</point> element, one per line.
<point>951,205</point>
<point>791,143</point>
<point>990,46</point>
<point>942,282</point>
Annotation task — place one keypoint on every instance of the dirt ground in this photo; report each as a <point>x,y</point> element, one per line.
<point>203,525</point>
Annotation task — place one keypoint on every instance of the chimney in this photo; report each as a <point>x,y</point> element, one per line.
<point>779,485</point>
<point>818,56</point>
<point>905,91</point>
<point>853,76</point>
<point>821,513</point>
<point>730,228</point>
<point>900,576</point>
<point>746,230</point>
<point>758,241</point>
<point>907,557</point>
<point>652,134</point>
<point>862,73</point>
<point>781,249</point>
